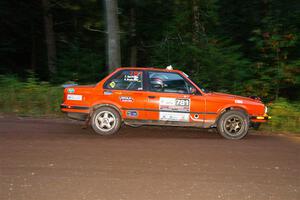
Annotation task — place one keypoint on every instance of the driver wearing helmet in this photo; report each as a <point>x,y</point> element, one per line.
<point>157,84</point>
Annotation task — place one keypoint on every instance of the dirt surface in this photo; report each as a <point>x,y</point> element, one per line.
<point>58,160</point>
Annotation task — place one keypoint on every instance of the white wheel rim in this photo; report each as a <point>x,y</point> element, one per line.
<point>105,121</point>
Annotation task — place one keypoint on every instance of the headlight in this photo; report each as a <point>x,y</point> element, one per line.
<point>266,109</point>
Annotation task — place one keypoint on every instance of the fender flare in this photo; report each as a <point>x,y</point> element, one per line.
<point>97,106</point>
<point>227,108</point>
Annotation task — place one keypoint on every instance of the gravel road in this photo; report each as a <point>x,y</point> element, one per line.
<point>43,159</point>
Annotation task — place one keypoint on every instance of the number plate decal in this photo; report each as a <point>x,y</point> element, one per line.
<point>74,97</point>
<point>173,104</point>
<point>173,116</point>
<point>173,109</point>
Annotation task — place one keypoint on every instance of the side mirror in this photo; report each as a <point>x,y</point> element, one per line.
<point>193,90</point>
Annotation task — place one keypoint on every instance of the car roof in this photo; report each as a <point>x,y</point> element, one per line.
<point>148,69</point>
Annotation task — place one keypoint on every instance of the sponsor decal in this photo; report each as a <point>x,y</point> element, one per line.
<point>171,116</point>
<point>112,84</point>
<point>133,76</point>
<point>174,104</point>
<point>71,90</point>
<point>126,99</point>
<point>239,101</point>
<point>74,97</point>
<point>131,113</point>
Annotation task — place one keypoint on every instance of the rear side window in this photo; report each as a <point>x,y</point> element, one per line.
<point>125,80</point>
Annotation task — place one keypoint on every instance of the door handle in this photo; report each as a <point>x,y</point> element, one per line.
<point>107,92</point>
<point>151,97</point>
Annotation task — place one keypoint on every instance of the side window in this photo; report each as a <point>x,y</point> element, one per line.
<point>168,82</point>
<point>125,80</point>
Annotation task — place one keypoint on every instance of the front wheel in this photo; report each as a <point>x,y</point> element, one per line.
<point>106,121</point>
<point>233,124</point>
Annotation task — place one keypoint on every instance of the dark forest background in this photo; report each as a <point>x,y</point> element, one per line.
<point>248,47</point>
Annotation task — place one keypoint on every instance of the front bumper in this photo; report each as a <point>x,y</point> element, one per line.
<point>263,118</point>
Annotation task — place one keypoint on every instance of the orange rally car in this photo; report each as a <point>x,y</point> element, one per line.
<point>165,97</point>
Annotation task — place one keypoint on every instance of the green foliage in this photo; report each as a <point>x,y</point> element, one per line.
<point>79,64</point>
<point>190,44</point>
<point>272,66</point>
<point>219,66</point>
<point>30,97</point>
<point>285,116</point>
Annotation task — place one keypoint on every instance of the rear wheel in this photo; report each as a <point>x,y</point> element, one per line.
<point>106,121</point>
<point>233,124</point>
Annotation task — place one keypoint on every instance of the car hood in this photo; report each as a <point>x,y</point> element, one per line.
<point>231,96</point>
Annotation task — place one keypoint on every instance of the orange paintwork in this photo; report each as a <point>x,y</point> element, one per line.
<point>204,107</point>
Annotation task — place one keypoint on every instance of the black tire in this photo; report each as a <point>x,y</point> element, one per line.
<point>106,121</point>
<point>233,124</point>
<point>255,125</point>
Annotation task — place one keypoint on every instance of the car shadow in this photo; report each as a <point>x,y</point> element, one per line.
<point>66,129</point>
<point>161,132</point>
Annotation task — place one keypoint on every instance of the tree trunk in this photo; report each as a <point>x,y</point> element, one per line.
<point>113,38</point>
<point>196,21</point>
<point>33,48</point>
<point>133,48</point>
<point>50,37</point>
<point>196,31</point>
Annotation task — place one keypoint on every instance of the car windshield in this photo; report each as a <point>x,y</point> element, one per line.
<point>199,85</point>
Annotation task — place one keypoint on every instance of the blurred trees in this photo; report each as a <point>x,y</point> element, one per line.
<point>50,37</point>
<point>113,37</point>
<point>248,47</point>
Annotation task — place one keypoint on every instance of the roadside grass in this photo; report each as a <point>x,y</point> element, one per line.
<point>285,117</point>
<point>30,97</point>
<point>36,99</point>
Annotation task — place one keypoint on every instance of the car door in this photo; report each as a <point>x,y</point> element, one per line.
<point>170,100</point>
<point>126,89</point>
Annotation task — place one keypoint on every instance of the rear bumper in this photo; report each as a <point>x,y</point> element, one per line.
<point>76,112</point>
<point>78,116</point>
<point>63,107</point>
